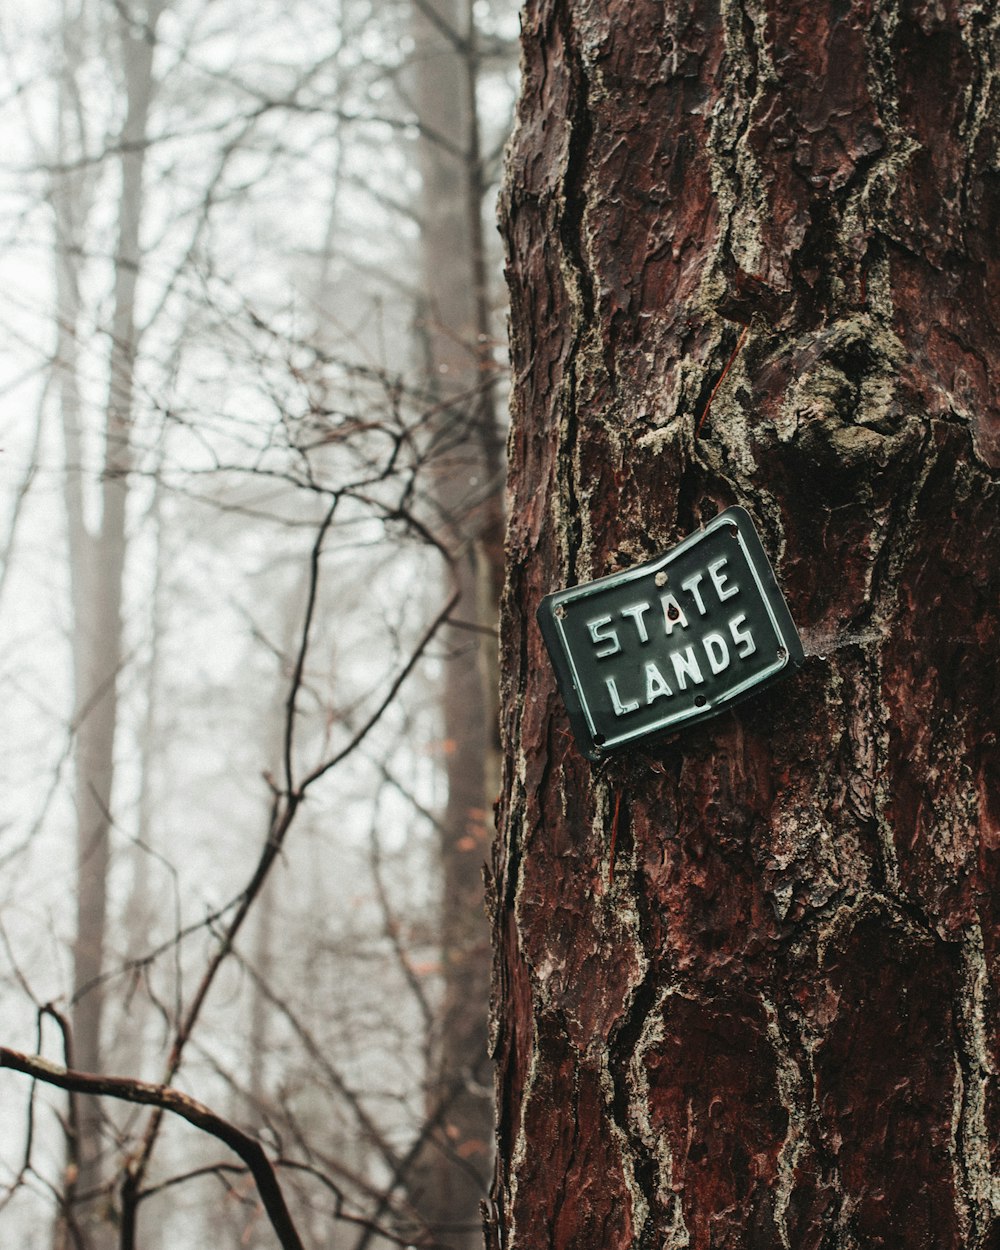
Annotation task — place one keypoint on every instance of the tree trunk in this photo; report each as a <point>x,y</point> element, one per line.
<point>97,570</point>
<point>767,1016</point>
<point>453,1170</point>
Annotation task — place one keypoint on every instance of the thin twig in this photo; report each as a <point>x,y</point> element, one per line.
<point>722,376</point>
<point>295,685</point>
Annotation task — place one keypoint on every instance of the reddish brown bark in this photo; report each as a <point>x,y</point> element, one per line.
<point>776,1025</point>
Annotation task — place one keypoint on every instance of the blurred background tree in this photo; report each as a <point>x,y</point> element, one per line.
<point>251,559</point>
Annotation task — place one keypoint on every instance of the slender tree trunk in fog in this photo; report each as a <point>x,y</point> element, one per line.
<point>746,978</point>
<point>97,564</point>
<point>453,1171</point>
<point>128,1052</point>
<point>266,939</point>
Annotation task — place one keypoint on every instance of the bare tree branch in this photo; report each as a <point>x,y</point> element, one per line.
<point>431,632</point>
<point>300,660</point>
<point>165,1098</point>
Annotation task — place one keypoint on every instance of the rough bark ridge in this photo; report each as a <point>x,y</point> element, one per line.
<point>774,1025</point>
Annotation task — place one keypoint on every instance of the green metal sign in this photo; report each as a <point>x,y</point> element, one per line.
<point>671,642</point>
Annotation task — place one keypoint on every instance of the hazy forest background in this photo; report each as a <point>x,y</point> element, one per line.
<point>252,379</point>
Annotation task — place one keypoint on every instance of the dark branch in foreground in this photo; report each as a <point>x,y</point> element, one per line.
<point>169,1099</point>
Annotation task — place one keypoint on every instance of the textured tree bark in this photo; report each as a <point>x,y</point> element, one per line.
<point>775,1024</point>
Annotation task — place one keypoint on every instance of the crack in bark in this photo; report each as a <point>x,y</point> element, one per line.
<point>652,1210</point>
<point>797,1100</point>
<point>735,170</point>
<point>971,1134</point>
<point>571,224</point>
<point>563,1190</point>
<point>669,1231</point>
<point>641,1162</point>
<point>981,35</point>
